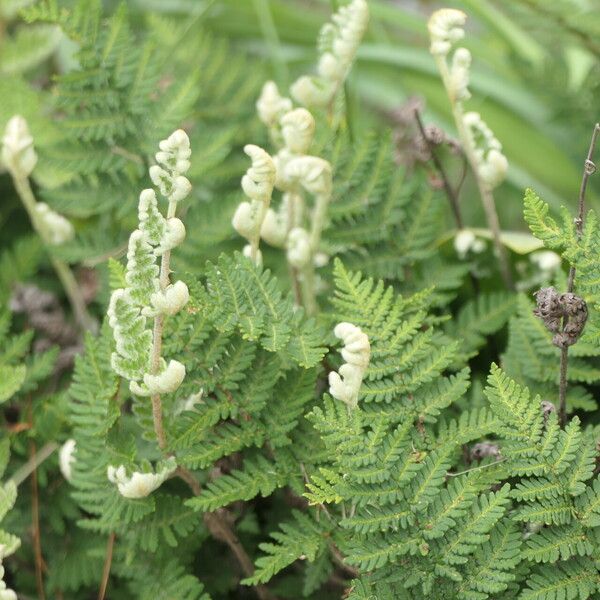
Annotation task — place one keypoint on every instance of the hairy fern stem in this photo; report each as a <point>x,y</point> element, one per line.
<point>485,192</point>
<point>159,322</point>
<point>216,523</point>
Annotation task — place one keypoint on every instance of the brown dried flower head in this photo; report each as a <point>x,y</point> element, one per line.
<point>554,308</point>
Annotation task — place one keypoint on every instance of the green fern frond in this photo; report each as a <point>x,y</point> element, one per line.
<point>512,403</point>
<point>558,543</point>
<point>300,538</point>
<point>241,296</point>
<point>481,317</point>
<point>494,567</point>
<point>258,476</point>
<point>576,578</point>
<point>543,226</point>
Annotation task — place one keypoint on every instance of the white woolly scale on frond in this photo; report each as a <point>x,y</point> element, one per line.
<point>5,593</point>
<point>169,301</point>
<point>143,296</point>
<point>66,458</point>
<point>142,271</point>
<point>173,160</point>
<point>257,183</point>
<point>460,74</point>
<point>166,381</point>
<point>164,233</point>
<point>152,222</point>
<point>345,384</point>
<point>298,247</point>
<point>312,173</point>
<point>173,236</point>
<point>271,105</point>
<point>259,179</point>
<point>298,130</point>
<point>247,252</point>
<point>57,228</point>
<point>245,218</point>
<point>133,340</point>
<point>18,153</point>
<point>446,27</point>
<point>492,163</point>
<point>139,485</point>
<point>274,226</point>
<point>175,152</point>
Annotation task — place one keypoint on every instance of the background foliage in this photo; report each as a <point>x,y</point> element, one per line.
<point>381,503</point>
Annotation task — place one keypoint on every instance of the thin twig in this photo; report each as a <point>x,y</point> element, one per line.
<point>463,175</point>
<point>339,559</point>
<point>35,518</point>
<point>107,564</point>
<point>489,208</point>
<point>120,151</point>
<point>589,169</point>
<point>35,514</point>
<point>94,261</point>
<point>448,474</point>
<point>450,193</point>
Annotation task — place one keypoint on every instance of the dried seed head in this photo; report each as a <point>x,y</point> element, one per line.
<point>547,408</point>
<point>575,309</point>
<point>553,307</point>
<point>549,308</point>
<point>483,450</point>
<point>435,135</point>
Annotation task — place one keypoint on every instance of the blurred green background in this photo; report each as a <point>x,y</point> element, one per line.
<point>535,75</point>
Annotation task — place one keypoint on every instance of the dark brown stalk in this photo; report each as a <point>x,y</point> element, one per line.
<point>339,560</point>
<point>220,529</point>
<point>35,514</point>
<point>107,564</point>
<point>37,538</point>
<point>450,193</point>
<point>589,168</point>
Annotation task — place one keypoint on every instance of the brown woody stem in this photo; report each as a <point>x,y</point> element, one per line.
<point>450,193</point>
<point>107,564</point>
<point>588,169</point>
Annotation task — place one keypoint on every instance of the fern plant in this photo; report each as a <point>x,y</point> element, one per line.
<point>306,415</point>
